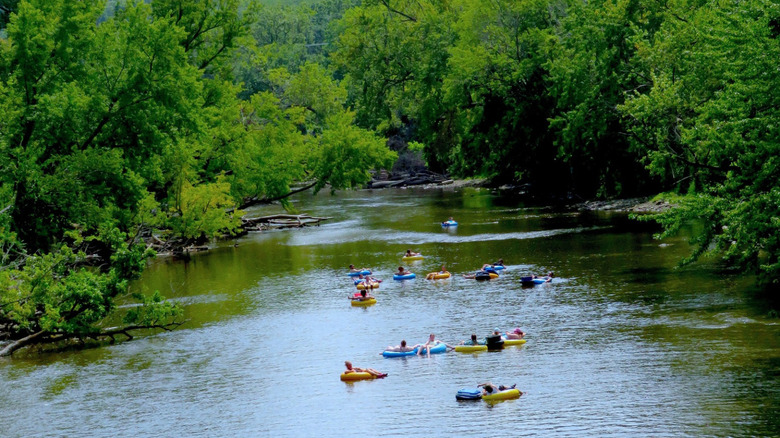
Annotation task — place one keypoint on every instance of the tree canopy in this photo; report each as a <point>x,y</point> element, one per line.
<point>116,126</point>
<point>123,119</point>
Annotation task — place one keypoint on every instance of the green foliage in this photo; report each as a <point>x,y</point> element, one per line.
<point>709,126</point>
<point>202,209</point>
<point>346,153</point>
<point>394,59</point>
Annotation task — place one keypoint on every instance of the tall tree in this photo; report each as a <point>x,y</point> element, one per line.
<point>709,126</point>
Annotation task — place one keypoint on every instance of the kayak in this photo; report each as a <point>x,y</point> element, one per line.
<point>412,258</point>
<point>502,395</point>
<point>449,224</point>
<point>367,302</point>
<point>404,277</point>
<point>351,377</point>
<point>437,275</point>
<point>470,348</point>
<point>356,273</point>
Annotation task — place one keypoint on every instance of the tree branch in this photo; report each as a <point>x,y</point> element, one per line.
<point>396,11</point>
<point>19,343</point>
<point>254,201</point>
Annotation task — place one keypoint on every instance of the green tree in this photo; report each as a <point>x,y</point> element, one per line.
<point>593,68</point>
<point>709,127</point>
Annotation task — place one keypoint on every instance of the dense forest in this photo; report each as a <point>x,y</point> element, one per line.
<point>126,119</point>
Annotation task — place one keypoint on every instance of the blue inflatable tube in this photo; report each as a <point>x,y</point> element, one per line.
<point>532,280</point>
<point>449,224</point>
<point>404,277</point>
<point>469,394</point>
<point>499,267</point>
<point>387,353</point>
<point>441,347</point>
<point>363,272</point>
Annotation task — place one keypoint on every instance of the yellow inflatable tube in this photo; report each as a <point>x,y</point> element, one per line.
<point>503,395</point>
<point>437,275</point>
<point>470,348</point>
<point>513,342</point>
<point>372,285</point>
<point>351,377</point>
<point>367,302</point>
<point>410,258</point>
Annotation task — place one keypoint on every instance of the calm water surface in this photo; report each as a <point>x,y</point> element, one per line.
<point>621,344</point>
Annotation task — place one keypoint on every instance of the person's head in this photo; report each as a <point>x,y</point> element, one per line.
<point>351,266</point>
<point>363,293</point>
<point>474,338</point>
<point>496,331</point>
<point>360,275</point>
<point>489,388</point>
<point>348,364</point>
<point>400,269</point>
<point>443,268</point>
<point>501,261</point>
<point>431,337</point>
<point>403,342</point>
<point>550,274</point>
<point>517,330</point>
<point>450,217</point>
<point>408,251</point>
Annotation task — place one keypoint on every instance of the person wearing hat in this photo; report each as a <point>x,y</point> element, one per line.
<point>515,334</point>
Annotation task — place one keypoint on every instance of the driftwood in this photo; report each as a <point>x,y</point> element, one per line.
<point>409,179</point>
<point>281,221</point>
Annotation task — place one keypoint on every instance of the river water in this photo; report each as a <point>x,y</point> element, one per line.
<point>621,343</point>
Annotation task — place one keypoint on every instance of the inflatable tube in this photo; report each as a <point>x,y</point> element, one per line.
<point>513,341</point>
<point>468,394</point>
<point>481,276</point>
<point>542,280</point>
<point>388,353</point>
<point>351,377</point>
<point>502,395</point>
<point>404,277</point>
<point>437,276</point>
<point>356,273</point>
<point>367,302</point>
<point>372,285</point>
<point>470,348</point>
<point>411,258</point>
<point>439,348</point>
<point>529,281</point>
<point>449,224</point>
<point>499,267</point>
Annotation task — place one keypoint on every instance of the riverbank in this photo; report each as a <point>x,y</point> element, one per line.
<point>632,205</point>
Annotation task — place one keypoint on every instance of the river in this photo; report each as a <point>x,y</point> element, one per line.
<point>621,343</point>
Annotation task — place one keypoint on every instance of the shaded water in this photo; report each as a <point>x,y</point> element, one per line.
<point>621,344</point>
